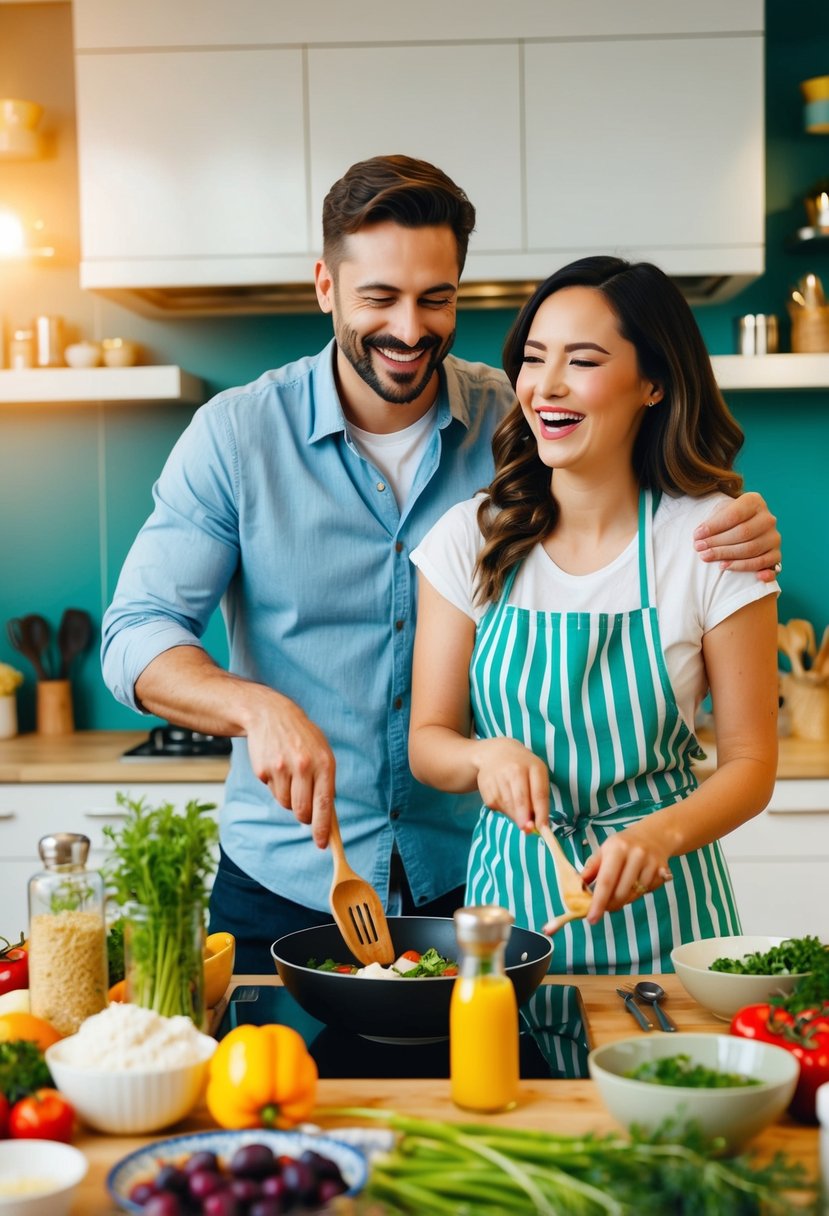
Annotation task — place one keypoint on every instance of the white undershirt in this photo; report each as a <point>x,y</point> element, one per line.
<point>398,455</point>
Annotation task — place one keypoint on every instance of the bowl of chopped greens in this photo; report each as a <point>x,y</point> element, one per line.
<point>725,974</point>
<point>406,1002</point>
<point>704,1079</point>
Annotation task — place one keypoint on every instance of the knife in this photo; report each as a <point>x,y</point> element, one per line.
<point>634,1010</point>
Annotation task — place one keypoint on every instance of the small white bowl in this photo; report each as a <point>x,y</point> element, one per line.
<point>83,354</point>
<point>736,1113</point>
<point>131,1102</point>
<point>119,352</point>
<point>60,1167</point>
<point>722,992</point>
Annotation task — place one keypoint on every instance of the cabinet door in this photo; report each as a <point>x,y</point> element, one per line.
<point>644,144</point>
<point>187,153</point>
<point>456,106</point>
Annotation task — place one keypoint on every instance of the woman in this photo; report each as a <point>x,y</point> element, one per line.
<point>567,631</point>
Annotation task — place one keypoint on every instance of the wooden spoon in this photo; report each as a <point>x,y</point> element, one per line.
<point>357,908</point>
<point>577,897</point>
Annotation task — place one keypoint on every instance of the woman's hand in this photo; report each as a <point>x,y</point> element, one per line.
<point>628,864</point>
<point>513,780</point>
<point>742,535</point>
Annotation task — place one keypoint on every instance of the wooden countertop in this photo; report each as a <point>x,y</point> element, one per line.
<point>95,756</point>
<point>563,1107</point>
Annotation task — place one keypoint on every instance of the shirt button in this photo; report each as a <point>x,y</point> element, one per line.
<point>398,548</point>
<point>381,485</point>
<point>398,702</point>
<point>394,815</point>
<point>399,625</point>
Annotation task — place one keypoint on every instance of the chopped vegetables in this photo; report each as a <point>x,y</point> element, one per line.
<point>681,1071</point>
<point>410,965</point>
<point>794,956</point>
<point>452,1168</point>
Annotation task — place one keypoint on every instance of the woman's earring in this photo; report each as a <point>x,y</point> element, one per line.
<point>650,404</point>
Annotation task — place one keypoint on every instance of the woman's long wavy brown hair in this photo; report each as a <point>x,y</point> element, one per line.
<point>685,446</point>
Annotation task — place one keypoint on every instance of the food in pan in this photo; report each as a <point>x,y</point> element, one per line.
<point>410,965</point>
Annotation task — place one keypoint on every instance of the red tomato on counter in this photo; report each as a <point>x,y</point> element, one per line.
<point>14,966</point>
<point>805,1035</point>
<point>43,1115</point>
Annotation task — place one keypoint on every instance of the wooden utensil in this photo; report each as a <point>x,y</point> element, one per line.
<point>357,908</point>
<point>74,635</point>
<point>30,635</point>
<point>577,897</point>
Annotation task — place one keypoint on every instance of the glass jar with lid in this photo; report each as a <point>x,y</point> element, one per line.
<point>67,934</point>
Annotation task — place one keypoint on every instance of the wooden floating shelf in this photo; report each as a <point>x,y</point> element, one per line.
<point>113,385</point>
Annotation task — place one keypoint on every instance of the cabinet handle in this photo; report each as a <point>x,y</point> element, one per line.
<point>104,812</point>
<point>8,814</point>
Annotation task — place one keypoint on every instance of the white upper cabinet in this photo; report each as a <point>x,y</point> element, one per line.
<point>210,133</point>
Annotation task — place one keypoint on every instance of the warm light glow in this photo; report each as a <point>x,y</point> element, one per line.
<point>12,241</point>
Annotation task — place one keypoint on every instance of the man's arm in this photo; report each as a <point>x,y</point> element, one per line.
<point>742,534</point>
<point>288,752</point>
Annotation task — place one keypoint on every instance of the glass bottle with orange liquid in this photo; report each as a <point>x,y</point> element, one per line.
<point>483,1015</point>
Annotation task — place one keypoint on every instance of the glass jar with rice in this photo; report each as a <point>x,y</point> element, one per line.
<point>67,934</point>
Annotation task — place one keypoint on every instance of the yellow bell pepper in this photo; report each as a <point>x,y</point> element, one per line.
<point>261,1076</point>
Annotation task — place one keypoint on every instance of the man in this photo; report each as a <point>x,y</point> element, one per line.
<point>295,502</point>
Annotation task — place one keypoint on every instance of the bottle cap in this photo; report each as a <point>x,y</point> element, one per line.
<point>483,923</point>
<point>64,849</point>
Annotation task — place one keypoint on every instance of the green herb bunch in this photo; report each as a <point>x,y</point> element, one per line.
<point>793,956</point>
<point>158,872</point>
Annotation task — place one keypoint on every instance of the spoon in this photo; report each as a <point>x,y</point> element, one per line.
<point>652,993</point>
<point>74,635</point>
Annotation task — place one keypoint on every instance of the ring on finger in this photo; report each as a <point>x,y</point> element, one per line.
<point>639,888</point>
<point>778,566</point>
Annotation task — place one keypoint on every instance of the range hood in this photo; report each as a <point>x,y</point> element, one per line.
<point>204,300</point>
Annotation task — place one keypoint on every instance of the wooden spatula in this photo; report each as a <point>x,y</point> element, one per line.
<point>357,908</point>
<point>576,895</point>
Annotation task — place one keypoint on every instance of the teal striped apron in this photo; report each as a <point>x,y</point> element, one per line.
<point>591,695</point>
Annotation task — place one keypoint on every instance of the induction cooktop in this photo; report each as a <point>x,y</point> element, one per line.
<point>545,1051</point>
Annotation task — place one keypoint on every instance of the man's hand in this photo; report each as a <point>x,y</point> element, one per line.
<point>291,755</point>
<point>741,535</point>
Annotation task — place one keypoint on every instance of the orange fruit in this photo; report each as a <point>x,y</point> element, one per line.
<point>118,992</point>
<point>27,1026</point>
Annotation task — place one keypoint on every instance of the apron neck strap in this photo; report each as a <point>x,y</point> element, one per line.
<point>648,506</point>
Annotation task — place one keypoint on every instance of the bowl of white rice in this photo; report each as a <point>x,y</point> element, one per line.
<point>128,1070</point>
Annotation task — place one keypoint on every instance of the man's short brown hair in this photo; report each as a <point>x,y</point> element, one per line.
<point>406,191</point>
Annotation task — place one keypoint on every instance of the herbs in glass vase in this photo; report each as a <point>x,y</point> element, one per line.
<point>159,872</point>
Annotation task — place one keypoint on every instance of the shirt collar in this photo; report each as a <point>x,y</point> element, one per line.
<point>328,416</point>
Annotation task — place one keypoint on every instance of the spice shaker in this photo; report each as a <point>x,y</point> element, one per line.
<point>22,349</point>
<point>67,934</point>
<point>483,1014</point>
<point>49,341</point>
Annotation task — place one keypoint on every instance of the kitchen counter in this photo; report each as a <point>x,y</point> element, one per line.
<point>95,755</point>
<point>563,1107</point>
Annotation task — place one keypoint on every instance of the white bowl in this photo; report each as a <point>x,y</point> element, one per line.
<point>130,1102</point>
<point>721,992</point>
<point>59,1166</point>
<point>736,1113</point>
<point>83,354</point>
<point>119,352</point>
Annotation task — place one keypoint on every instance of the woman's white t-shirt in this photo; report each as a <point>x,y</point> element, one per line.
<point>691,596</point>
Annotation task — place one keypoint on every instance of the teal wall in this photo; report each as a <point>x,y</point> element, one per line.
<point>75,481</point>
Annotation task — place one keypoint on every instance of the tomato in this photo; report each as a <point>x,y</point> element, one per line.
<point>4,1116</point>
<point>345,969</point>
<point>14,966</point>
<point>805,1035</point>
<point>412,955</point>
<point>450,971</point>
<point>44,1115</point>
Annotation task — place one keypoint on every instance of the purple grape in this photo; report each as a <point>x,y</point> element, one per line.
<point>252,1161</point>
<point>171,1178</point>
<point>323,1167</point>
<point>205,1182</point>
<point>301,1181</point>
<point>275,1187</point>
<point>329,1188</point>
<point>164,1204</point>
<point>245,1189</point>
<point>142,1191</point>
<point>221,1203</point>
<point>203,1160</point>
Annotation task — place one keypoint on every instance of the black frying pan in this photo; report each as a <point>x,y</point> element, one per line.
<point>394,1009</point>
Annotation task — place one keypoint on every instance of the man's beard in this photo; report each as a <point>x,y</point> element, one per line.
<point>397,387</point>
